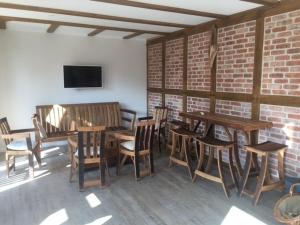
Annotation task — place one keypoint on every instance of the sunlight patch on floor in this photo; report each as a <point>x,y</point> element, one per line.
<point>100,221</point>
<point>15,183</point>
<point>93,200</point>
<point>56,218</point>
<point>236,216</point>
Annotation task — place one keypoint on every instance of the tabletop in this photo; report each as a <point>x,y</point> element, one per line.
<point>228,121</point>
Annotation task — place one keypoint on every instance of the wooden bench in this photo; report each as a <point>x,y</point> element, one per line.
<point>60,120</point>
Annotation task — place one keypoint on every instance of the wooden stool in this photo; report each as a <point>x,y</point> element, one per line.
<point>175,124</point>
<point>264,182</point>
<point>181,156</point>
<point>218,146</point>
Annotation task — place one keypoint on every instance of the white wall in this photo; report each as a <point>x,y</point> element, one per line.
<point>31,72</point>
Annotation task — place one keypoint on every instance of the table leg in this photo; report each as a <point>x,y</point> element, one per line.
<point>254,141</point>
<point>236,154</point>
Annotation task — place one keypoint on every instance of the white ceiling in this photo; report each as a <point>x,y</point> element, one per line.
<point>226,7</point>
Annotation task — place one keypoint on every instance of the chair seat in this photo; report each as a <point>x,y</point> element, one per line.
<point>215,142</point>
<point>129,145</point>
<point>267,146</point>
<point>20,145</point>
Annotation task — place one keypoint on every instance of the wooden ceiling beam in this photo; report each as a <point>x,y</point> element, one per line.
<point>71,24</point>
<point>162,8</point>
<point>2,24</point>
<point>263,2</point>
<point>133,35</point>
<point>90,15</point>
<point>95,32</point>
<point>52,28</point>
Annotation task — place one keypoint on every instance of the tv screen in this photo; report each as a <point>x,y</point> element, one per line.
<point>82,76</point>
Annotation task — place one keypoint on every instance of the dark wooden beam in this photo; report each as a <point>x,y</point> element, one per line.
<point>292,101</point>
<point>70,24</point>
<point>258,67</point>
<point>133,35</point>
<point>263,2</point>
<point>95,32</point>
<point>90,15</point>
<point>162,8</point>
<point>2,24</point>
<point>52,28</point>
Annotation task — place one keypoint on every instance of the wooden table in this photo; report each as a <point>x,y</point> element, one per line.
<point>249,127</point>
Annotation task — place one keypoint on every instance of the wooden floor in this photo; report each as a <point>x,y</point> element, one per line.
<point>169,197</point>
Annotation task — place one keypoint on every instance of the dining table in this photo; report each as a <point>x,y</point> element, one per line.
<point>249,127</point>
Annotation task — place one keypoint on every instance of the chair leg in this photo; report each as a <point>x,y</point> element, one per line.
<point>221,173</point>
<point>7,164</point>
<point>210,160</point>
<point>123,161</point>
<point>106,165</point>
<point>261,178</point>
<point>231,168</point>
<point>200,159</point>
<point>185,148</point>
<point>72,169</point>
<point>14,163</point>
<point>31,165</point>
<point>174,143</point>
<point>37,154</point>
<point>246,173</point>
<point>159,144</point>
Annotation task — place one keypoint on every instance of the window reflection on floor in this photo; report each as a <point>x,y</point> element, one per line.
<point>236,216</point>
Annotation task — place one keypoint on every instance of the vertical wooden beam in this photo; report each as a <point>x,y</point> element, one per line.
<point>213,83</point>
<point>257,74</point>
<point>184,78</point>
<point>258,64</point>
<point>163,72</point>
<point>147,73</point>
<point>2,24</point>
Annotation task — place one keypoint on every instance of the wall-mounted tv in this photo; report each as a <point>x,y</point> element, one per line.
<point>82,76</point>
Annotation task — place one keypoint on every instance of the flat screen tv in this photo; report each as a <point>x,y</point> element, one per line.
<point>82,76</point>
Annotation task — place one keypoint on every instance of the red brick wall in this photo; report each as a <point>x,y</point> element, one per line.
<point>281,76</point>
<point>281,71</point>
<point>198,70</point>
<point>174,64</point>
<point>155,66</point>
<point>174,102</point>
<point>236,58</point>
<point>154,99</point>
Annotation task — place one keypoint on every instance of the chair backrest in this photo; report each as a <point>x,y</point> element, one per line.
<point>5,129</point>
<point>144,135</point>
<point>38,126</point>
<point>160,116</point>
<point>91,142</point>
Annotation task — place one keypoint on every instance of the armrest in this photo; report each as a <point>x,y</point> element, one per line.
<point>23,130</point>
<point>124,137</point>
<point>145,118</point>
<point>16,135</point>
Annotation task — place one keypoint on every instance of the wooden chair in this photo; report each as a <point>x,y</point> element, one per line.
<point>219,146</point>
<point>160,117</point>
<point>19,143</point>
<point>264,182</point>
<point>42,136</point>
<point>90,152</point>
<point>139,145</point>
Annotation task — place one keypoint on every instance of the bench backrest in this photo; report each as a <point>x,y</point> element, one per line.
<point>61,118</point>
